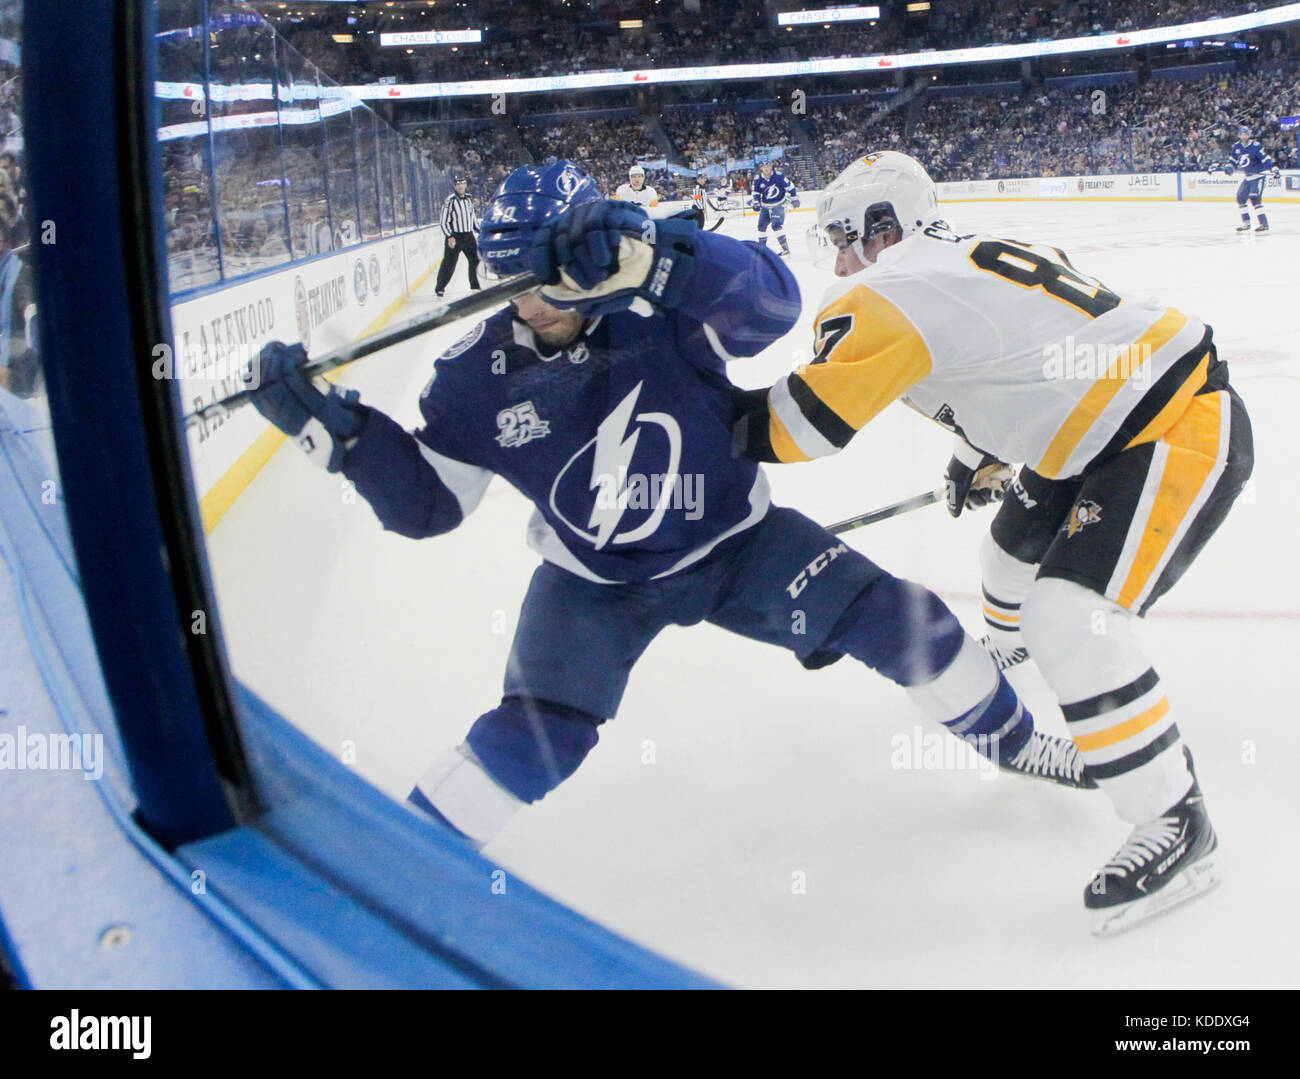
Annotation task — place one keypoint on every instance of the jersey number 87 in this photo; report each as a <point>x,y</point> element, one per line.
<point>1028,267</point>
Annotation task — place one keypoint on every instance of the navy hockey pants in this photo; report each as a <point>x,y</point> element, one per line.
<point>787,581</point>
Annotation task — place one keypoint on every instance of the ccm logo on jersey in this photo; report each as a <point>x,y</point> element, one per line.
<point>815,567</point>
<point>1018,489</point>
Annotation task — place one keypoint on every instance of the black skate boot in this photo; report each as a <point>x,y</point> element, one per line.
<point>1244,227</point>
<point>1263,227</point>
<point>1162,864</point>
<point>1004,657</point>
<point>1046,756</point>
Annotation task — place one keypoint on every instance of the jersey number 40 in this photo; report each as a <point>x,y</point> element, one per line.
<point>1029,267</point>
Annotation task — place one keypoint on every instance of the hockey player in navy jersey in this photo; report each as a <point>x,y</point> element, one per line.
<point>1248,155</point>
<point>603,398</point>
<point>772,190</point>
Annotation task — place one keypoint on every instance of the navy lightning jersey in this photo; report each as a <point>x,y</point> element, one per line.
<point>774,190</point>
<point>622,440</point>
<point>1251,158</point>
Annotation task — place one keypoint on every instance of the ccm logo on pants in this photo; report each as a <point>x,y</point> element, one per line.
<point>813,568</point>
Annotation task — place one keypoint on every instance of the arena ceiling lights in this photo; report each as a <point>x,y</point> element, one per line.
<point>730,72</point>
<point>727,72</point>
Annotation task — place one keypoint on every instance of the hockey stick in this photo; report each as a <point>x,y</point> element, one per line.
<point>714,226</point>
<point>885,512</point>
<point>441,315</point>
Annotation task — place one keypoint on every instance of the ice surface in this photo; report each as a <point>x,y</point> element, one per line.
<point>761,770</point>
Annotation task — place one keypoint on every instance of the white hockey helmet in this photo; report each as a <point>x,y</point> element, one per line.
<point>875,193</point>
<point>636,170</point>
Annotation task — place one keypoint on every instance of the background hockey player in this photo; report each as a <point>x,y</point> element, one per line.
<point>1248,155</point>
<point>772,191</point>
<point>636,190</point>
<point>1134,448</point>
<point>615,420</point>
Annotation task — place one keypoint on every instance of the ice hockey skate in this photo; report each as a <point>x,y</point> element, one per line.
<point>1046,756</point>
<point>1163,864</point>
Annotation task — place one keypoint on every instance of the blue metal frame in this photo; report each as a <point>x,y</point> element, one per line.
<point>92,348</point>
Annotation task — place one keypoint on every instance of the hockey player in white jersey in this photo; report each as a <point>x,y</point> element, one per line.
<point>636,190</point>
<point>1133,447</point>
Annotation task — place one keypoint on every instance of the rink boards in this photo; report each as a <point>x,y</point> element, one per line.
<point>332,300</point>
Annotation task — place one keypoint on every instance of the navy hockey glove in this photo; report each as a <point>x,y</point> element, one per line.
<point>599,271</point>
<point>974,478</point>
<point>316,415</point>
<point>585,243</point>
<point>794,202</point>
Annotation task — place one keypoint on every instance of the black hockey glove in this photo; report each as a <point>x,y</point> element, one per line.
<point>974,478</point>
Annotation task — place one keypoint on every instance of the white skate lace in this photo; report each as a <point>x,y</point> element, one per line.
<point>1144,845</point>
<point>1003,657</point>
<point>1042,755</point>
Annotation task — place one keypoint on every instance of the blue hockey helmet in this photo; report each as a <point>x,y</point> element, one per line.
<point>1243,131</point>
<point>530,196</point>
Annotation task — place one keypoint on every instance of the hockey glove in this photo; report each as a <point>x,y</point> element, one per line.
<point>794,202</point>
<point>603,257</point>
<point>1277,173</point>
<point>318,416</point>
<point>974,478</point>
<point>584,243</point>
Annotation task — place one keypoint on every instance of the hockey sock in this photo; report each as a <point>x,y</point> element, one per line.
<point>909,635</point>
<point>458,792</point>
<point>530,747</point>
<point>785,244</point>
<point>1263,219</point>
<point>762,240</point>
<point>1245,217</point>
<point>1113,701</point>
<point>1005,583</point>
<point>976,703</point>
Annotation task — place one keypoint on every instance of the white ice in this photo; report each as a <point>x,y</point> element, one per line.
<point>742,815</point>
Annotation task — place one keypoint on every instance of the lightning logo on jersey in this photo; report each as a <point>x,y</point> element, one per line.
<point>618,488</point>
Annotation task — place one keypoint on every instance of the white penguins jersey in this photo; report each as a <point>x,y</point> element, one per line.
<point>1005,343</point>
<point>646,197</point>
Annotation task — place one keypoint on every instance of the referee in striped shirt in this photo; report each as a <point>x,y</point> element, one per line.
<point>459,223</point>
